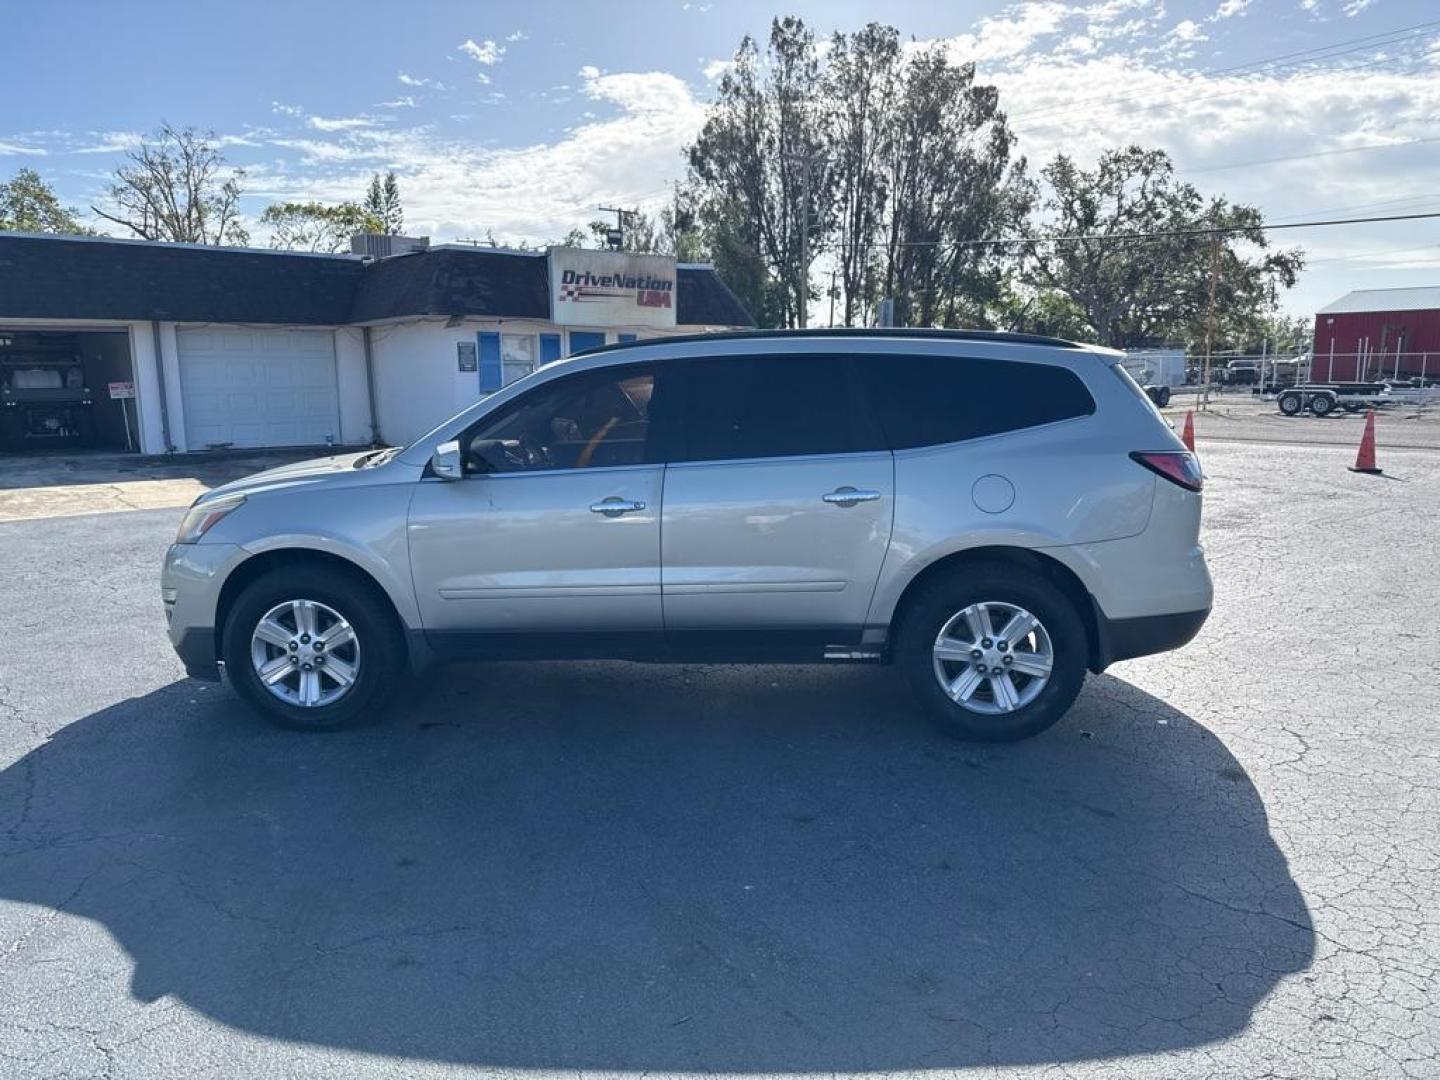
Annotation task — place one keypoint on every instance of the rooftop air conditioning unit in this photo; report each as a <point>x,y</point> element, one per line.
<point>380,246</point>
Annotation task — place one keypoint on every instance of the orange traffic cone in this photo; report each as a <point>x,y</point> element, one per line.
<point>1187,436</point>
<point>1365,459</point>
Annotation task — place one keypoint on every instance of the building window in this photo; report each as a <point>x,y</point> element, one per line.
<point>517,356</point>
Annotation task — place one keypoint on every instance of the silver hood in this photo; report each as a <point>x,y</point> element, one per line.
<point>298,472</point>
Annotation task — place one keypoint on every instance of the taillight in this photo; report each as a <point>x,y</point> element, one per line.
<point>1177,466</point>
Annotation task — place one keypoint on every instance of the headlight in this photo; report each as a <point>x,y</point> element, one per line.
<point>202,517</point>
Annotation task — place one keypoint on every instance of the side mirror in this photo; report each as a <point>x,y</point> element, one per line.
<point>445,461</point>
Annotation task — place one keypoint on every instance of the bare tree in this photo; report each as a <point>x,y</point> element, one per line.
<point>176,187</point>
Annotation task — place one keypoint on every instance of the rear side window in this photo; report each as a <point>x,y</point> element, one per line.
<point>740,407</point>
<point>930,400</point>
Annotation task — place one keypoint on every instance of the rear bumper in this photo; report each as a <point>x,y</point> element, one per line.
<point>1124,639</point>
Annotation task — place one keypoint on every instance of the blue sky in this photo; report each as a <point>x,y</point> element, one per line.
<point>521,117</point>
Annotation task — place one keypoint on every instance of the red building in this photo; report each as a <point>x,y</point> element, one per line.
<point>1375,333</point>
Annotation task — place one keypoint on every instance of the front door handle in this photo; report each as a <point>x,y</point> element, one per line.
<point>849,496</point>
<point>614,506</point>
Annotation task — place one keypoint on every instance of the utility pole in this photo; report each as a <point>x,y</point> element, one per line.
<point>616,237</point>
<point>804,297</point>
<point>1210,313</point>
<point>806,162</point>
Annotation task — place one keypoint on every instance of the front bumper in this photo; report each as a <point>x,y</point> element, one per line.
<point>190,583</point>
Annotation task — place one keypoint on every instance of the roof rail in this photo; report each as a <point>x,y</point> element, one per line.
<point>846,332</point>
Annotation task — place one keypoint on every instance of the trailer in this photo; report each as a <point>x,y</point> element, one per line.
<point>1322,399</point>
<point>1157,371</point>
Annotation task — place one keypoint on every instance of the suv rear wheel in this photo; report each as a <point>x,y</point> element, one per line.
<point>994,652</point>
<point>311,648</point>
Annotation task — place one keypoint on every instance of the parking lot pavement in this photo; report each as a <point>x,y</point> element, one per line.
<point>68,484</point>
<point>1222,863</point>
<point>1237,415</point>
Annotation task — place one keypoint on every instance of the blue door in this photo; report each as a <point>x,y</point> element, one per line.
<point>585,339</point>
<point>492,375</point>
<point>549,348</point>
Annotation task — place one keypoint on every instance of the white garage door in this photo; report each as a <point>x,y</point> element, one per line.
<point>258,387</point>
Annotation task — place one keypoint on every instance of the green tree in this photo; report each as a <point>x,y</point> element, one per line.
<point>863,80</point>
<point>949,183</point>
<point>888,162</point>
<point>1134,279</point>
<point>313,226</point>
<point>29,204</point>
<point>382,200</point>
<point>176,187</point>
<point>1037,311</point>
<point>759,169</point>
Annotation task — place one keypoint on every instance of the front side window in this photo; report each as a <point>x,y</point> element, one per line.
<point>591,420</point>
<point>932,400</point>
<point>766,406</point>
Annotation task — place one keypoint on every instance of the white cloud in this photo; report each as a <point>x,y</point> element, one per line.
<point>1187,30</point>
<point>487,52</point>
<point>482,78</point>
<point>1230,8</point>
<point>16,148</point>
<point>340,123</point>
<point>414,80</point>
<point>109,142</point>
<point>282,109</point>
<point>715,68</point>
<point>1355,7</point>
<point>405,101</point>
<point>453,187</point>
<point>589,71</point>
<point>518,35</point>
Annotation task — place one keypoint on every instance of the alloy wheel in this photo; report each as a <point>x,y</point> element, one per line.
<point>993,657</point>
<point>305,653</point>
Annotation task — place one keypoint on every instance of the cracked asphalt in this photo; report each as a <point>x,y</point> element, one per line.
<point>1222,863</point>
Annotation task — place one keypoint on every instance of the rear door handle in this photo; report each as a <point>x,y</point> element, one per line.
<point>849,496</point>
<point>614,506</point>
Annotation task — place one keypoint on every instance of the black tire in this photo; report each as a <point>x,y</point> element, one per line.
<point>941,599</point>
<point>1164,396</point>
<point>360,602</point>
<point>1352,406</point>
<point>1322,404</point>
<point>1291,404</point>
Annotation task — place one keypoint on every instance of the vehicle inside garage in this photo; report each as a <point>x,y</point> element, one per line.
<point>56,390</point>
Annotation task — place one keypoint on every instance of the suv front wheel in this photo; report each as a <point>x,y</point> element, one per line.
<point>994,652</point>
<point>311,648</point>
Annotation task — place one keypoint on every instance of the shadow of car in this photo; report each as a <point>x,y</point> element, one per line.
<point>607,866</point>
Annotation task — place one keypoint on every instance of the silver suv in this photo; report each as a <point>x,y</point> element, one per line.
<point>993,513</point>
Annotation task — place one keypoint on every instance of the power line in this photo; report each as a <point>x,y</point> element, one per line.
<point>1361,206</point>
<point>1314,154</point>
<point>1214,230</point>
<point>1435,247</point>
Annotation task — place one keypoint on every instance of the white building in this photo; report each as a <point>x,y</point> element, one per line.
<point>175,347</point>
